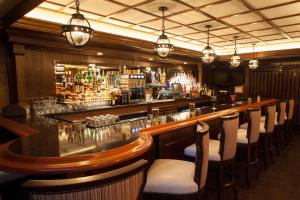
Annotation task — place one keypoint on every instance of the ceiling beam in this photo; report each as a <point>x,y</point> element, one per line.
<point>18,11</point>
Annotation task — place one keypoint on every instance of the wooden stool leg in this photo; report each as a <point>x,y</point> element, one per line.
<point>256,159</point>
<point>270,148</point>
<point>221,182</point>
<point>276,140</point>
<point>247,167</point>
<point>265,149</point>
<point>233,176</point>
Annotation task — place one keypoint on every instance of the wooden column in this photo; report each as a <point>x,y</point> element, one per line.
<point>19,52</point>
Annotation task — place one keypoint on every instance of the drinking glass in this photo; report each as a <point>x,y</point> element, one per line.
<point>155,113</point>
<point>214,101</point>
<point>192,107</point>
<point>233,96</point>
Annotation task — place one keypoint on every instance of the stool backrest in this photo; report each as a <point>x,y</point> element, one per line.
<point>125,183</point>
<point>281,113</point>
<point>254,115</point>
<point>202,141</point>
<point>270,118</point>
<point>291,106</point>
<point>229,130</point>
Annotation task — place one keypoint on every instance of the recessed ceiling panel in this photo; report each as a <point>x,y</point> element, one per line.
<point>141,28</point>
<point>272,37</point>
<point>214,25</point>
<point>197,36</point>
<point>157,24</point>
<point>225,31</point>
<point>255,26</point>
<point>224,9</point>
<point>266,3</point>
<point>215,39</point>
<point>188,17</point>
<point>287,21</point>
<point>294,34</point>
<point>181,30</point>
<point>51,6</point>
<point>282,10</point>
<point>197,3</point>
<point>291,28</point>
<point>153,7</point>
<point>62,2</point>
<point>133,16</point>
<point>265,32</point>
<point>130,2</point>
<point>97,7</point>
<point>242,19</point>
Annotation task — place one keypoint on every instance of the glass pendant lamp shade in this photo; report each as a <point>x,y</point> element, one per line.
<point>78,31</point>
<point>235,60</point>
<point>253,63</point>
<point>208,54</point>
<point>163,45</point>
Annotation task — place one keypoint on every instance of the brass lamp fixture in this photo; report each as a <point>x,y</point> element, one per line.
<point>253,63</point>
<point>78,30</point>
<point>208,54</point>
<point>163,45</point>
<point>235,60</point>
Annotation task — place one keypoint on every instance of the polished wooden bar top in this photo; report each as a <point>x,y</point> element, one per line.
<point>56,147</point>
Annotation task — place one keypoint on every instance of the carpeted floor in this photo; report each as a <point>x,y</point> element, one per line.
<point>280,182</point>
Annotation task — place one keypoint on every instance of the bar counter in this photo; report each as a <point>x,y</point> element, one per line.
<point>52,146</point>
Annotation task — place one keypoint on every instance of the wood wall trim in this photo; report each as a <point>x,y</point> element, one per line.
<point>18,11</point>
<point>266,54</point>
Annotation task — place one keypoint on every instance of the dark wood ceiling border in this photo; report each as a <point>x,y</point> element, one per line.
<point>19,11</point>
<point>117,45</point>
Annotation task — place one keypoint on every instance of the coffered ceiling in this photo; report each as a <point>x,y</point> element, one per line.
<point>272,24</point>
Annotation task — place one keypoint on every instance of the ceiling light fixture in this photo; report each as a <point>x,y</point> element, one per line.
<point>99,53</point>
<point>78,31</point>
<point>163,45</point>
<point>253,63</point>
<point>208,54</point>
<point>235,60</point>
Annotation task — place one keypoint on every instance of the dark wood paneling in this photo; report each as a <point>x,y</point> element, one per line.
<point>281,83</point>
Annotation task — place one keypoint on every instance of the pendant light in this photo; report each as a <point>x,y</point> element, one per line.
<point>235,60</point>
<point>253,63</point>
<point>78,31</point>
<point>163,45</point>
<point>208,54</point>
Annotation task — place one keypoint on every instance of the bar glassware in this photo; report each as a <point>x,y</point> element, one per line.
<point>155,113</point>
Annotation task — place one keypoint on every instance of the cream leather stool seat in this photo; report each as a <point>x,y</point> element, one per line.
<point>214,146</point>
<point>242,136</point>
<point>179,179</point>
<point>261,127</point>
<point>171,176</point>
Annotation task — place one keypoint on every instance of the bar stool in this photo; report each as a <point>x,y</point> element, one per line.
<point>178,179</point>
<point>266,133</point>
<point>248,139</point>
<point>289,117</point>
<point>222,152</point>
<point>279,125</point>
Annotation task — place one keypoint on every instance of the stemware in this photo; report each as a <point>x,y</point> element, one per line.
<point>233,97</point>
